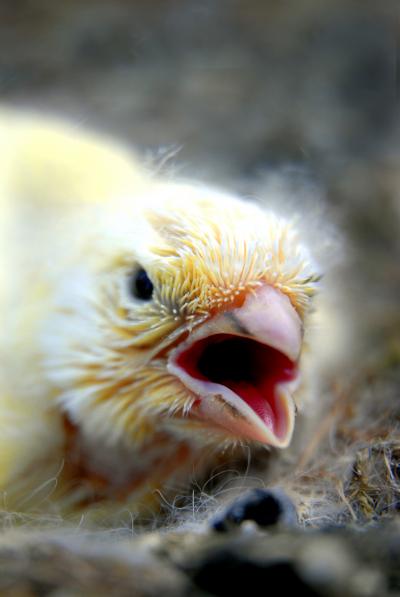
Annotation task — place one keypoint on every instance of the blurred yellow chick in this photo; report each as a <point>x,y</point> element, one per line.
<point>147,326</point>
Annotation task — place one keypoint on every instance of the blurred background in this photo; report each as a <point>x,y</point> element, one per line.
<point>240,84</point>
<point>247,91</point>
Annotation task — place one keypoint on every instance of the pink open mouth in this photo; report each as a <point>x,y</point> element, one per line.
<point>248,368</point>
<point>242,366</point>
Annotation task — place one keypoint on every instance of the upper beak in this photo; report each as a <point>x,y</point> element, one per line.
<point>243,367</point>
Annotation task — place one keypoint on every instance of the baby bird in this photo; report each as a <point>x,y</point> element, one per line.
<point>147,326</point>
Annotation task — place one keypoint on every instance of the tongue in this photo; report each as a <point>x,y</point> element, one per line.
<point>253,396</point>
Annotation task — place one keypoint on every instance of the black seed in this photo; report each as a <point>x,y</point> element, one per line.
<point>266,507</point>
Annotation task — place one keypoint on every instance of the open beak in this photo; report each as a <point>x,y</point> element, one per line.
<point>243,367</point>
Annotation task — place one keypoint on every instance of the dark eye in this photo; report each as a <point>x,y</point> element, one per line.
<point>140,285</point>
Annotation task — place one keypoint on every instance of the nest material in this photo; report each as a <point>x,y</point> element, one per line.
<point>349,472</point>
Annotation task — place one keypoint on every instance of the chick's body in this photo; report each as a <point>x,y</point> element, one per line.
<point>119,293</point>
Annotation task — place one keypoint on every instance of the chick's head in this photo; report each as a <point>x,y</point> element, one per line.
<point>185,316</point>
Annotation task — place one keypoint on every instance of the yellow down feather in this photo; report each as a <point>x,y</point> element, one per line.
<point>88,411</point>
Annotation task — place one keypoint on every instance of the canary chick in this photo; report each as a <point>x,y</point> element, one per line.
<point>148,326</point>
